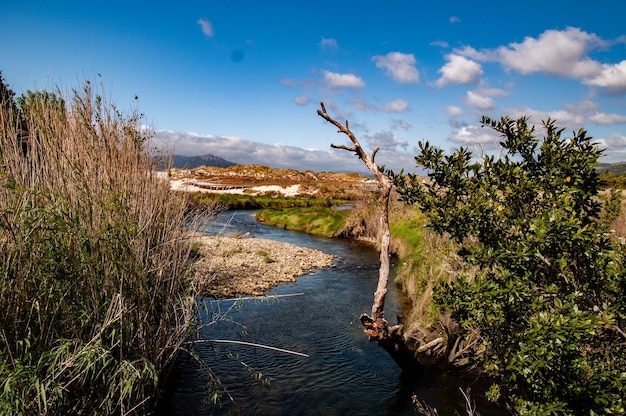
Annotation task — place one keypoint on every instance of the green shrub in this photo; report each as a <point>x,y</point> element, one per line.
<point>95,285</point>
<point>612,181</point>
<point>549,298</point>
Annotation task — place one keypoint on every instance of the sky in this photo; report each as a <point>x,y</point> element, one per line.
<point>243,79</point>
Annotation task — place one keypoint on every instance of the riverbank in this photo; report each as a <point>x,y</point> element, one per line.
<point>229,266</point>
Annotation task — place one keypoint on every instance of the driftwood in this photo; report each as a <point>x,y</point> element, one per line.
<point>376,326</point>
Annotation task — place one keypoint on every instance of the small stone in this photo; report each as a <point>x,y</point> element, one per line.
<point>229,266</point>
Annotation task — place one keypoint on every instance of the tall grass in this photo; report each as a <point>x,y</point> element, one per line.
<point>95,289</point>
<point>426,259</point>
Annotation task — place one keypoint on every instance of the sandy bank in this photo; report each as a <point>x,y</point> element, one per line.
<point>190,186</point>
<point>228,266</point>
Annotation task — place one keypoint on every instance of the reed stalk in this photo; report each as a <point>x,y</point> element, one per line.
<point>95,286</point>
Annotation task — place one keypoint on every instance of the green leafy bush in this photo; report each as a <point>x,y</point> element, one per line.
<point>549,298</point>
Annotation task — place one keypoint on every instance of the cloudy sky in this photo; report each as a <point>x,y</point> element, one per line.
<point>243,79</point>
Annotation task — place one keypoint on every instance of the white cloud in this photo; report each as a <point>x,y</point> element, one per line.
<point>478,100</point>
<point>603,118</point>
<point>576,115</point>
<point>288,82</point>
<point>242,151</point>
<point>614,147</point>
<point>615,140</point>
<point>492,92</point>
<point>486,55</point>
<point>486,138</point>
<point>481,98</point>
<point>400,66</point>
<point>385,140</point>
<point>301,100</point>
<point>561,53</point>
<point>573,115</point>
<point>440,43</point>
<point>459,70</point>
<point>207,27</point>
<point>338,112</point>
<point>396,106</point>
<point>612,77</point>
<point>453,111</point>
<point>400,124</point>
<point>360,104</point>
<point>329,44</point>
<point>454,19</point>
<point>568,117</point>
<point>335,80</point>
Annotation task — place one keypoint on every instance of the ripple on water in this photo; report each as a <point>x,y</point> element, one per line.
<point>344,374</point>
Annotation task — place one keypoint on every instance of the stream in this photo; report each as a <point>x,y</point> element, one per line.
<point>342,373</point>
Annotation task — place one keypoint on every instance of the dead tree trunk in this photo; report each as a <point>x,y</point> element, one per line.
<point>376,326</point>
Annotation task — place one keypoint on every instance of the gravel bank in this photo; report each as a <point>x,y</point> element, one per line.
<point>228,266</point>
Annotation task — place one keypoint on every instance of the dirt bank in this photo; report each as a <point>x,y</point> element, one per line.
<point>229,266</point>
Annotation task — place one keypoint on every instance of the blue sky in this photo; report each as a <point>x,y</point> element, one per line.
<point>243,79</point>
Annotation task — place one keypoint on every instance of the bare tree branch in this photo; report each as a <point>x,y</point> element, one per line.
<point>376,323</point>
<point>342,146</point>
<point>374,152</point>
<point>376,327</point>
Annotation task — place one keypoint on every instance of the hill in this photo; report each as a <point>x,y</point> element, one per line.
<point>255,180</point>
<point>190,162</point>
<point>263,175</point>
<point>617,169</point>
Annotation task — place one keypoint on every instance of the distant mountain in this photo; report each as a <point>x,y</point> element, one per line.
<point>617,169</point>
<point>190,162</point>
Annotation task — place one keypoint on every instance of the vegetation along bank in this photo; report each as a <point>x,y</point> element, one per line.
<point>514,267</point>
<point>96,291</point>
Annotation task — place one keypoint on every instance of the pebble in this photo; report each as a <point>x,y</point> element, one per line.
<point>229,266</point>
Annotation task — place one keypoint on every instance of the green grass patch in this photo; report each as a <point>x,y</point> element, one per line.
<point>424,258</point>
<point>409,230</point>
<point>324,221</point>
<point>408,240</point>
<point>265,256</point>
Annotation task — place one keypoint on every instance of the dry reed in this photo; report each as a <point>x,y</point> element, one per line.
<point>96,296</point>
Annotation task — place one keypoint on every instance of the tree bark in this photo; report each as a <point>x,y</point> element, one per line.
<point>376,326</point>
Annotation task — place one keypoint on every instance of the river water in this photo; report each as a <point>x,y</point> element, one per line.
<point>342,373</point>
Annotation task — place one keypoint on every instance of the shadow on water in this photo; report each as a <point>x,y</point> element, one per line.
<point>344,373</point>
